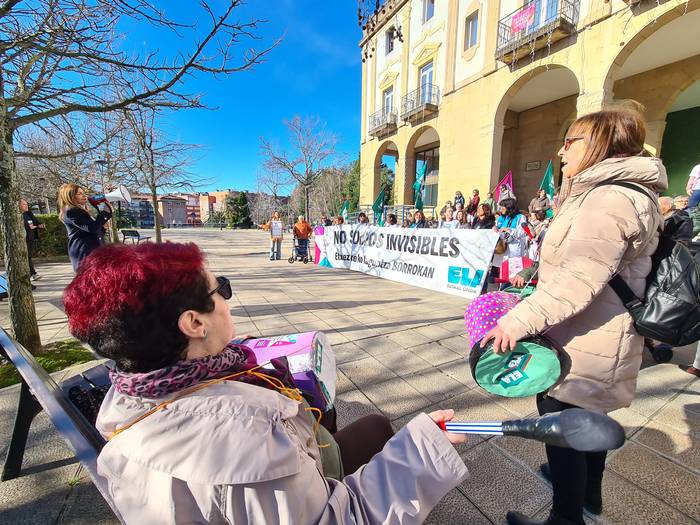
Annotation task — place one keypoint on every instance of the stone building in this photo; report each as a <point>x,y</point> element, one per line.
<point>473,89</point>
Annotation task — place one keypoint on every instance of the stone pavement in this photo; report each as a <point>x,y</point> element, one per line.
<point>400,350</point>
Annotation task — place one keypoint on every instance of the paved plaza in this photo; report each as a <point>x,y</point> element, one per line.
<point>400,350</point>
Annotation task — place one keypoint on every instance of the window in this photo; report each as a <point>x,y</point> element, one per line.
<point>428,10</point>
<point>430,157</point>
<point>388,100</point>
<point>426,81</point>
<point>389,41</point>
<point>471,31</point>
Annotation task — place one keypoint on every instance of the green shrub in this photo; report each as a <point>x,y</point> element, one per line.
<point>53,240</point>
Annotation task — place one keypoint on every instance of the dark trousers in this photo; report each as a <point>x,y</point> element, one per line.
<point>30,251</point>
<point>575,475</point>
<point>361,440</point>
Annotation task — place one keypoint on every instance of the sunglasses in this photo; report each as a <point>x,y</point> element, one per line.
<point>568,141</point>
<point>223,288</point>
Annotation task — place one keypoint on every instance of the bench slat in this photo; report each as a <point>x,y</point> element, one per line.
<point>84,439</point>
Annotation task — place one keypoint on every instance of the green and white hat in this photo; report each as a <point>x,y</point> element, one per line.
<point>533,367</point>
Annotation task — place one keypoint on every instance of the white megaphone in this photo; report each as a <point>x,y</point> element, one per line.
<point>121,194</point>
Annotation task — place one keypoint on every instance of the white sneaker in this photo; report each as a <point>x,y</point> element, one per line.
<point>35,277</point>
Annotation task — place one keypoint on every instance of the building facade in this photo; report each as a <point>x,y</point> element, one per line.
<point>468,90</point>
<point>141,210</point>
<point>172,210</point>
<point>194,214</point>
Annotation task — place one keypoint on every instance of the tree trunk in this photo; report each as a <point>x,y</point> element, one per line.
<point>306,202</point>
<point>156,222</point>
<point>115,230</point>
<point>22,312</point>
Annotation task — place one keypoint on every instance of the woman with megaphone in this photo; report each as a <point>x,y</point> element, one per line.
<point>84,231</point>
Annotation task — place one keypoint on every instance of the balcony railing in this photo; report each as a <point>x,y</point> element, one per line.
<point>537,24</point>
<point>420,103</point>
<point>383,122</point>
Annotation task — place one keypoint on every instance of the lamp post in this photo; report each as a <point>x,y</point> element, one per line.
<point>104,164</point>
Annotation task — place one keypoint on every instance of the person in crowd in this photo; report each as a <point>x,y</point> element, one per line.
<point>538,229</point>
<point>510,226</point>
<point>391,221</point>
<point>506,193</point>
<point>32,226</point>
<point>600,230</point>
<point>199,431</point>
<point>474,202</point>
<point>464,220</point>
<point>450,221</point>
<point>459,199</point>
<point>337,221</point>
<point>448,204</point>
<point>540,202</point>
<point>302,231</point>
<point>490,201</point>
<point>680,202</point>
<point>693,187</point>
<point>458,207</point>
<point>484,219</point>
<point>419,220</point>
<point>408,221</point>
<point>85,233</point>
<point>541,222</point>
<point>276,237</point>
<point>362,218</point>
<point>325,221</point>
<point>677,223</point>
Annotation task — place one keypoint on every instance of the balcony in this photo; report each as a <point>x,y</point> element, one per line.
<point>421,103</point>
<point>534,26</point>
<point>383,122</point>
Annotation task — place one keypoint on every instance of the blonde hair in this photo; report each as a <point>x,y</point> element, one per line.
<point>615,132</point>
<point>66,198</point>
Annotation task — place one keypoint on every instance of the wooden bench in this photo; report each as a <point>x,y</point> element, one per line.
<point>133,235</point>
<point>39,391</point>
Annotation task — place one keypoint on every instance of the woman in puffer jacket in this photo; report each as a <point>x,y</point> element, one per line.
<point>600,230</point>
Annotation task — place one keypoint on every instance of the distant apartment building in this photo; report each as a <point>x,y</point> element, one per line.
<point>140,209</point>
<point>172,210</point>
<point>213,201</point>
<point>194,213</point>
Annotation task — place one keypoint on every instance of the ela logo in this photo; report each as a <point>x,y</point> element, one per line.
<point>514,373</point>
<point>457,275</point>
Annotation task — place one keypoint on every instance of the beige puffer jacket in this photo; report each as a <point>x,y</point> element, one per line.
<point>234,453</point>
<point>597,232</point>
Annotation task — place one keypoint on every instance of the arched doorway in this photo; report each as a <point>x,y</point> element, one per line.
<point>385,165</point>
<point>680,146</point>
<point>531,119</point>
<point>423,153</point>
<point>658,70</point>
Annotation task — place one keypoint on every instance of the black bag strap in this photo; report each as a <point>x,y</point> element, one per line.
<point>619,286</point>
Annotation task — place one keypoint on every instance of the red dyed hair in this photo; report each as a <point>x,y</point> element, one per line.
<point>118,278</point>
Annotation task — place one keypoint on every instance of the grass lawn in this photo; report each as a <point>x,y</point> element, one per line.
<point>56,356</point>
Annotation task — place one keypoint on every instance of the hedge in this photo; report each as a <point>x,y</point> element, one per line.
<point>53,240</point>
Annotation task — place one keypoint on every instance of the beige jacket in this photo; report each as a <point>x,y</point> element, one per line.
<point>596,233</point>
<point>238,453</point>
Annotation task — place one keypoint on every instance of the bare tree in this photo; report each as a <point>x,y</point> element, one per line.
<point>313,148</point>
<point>159,163</point>
<point>59,57</point>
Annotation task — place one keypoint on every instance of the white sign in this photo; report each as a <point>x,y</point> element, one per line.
<point>450,261</point>
<point>276,229</point>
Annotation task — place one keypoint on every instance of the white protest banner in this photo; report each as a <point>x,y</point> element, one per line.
<point>276,229</point>
<point>450,261</point>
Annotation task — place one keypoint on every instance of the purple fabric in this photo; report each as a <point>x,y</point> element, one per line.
<point>483,313</point>
<point>187,373</point>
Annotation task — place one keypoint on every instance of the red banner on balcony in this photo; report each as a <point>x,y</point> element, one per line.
<point>523,19</point>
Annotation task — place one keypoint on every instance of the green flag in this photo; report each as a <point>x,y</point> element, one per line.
<point>378,207</point>
<point>547,185</point>
<point>418,186</point>
<point>344,210</point>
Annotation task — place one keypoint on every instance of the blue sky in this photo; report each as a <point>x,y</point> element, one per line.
<point>315,70</point>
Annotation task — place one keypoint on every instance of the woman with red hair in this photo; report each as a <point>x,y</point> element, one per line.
<point>199,432</point>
